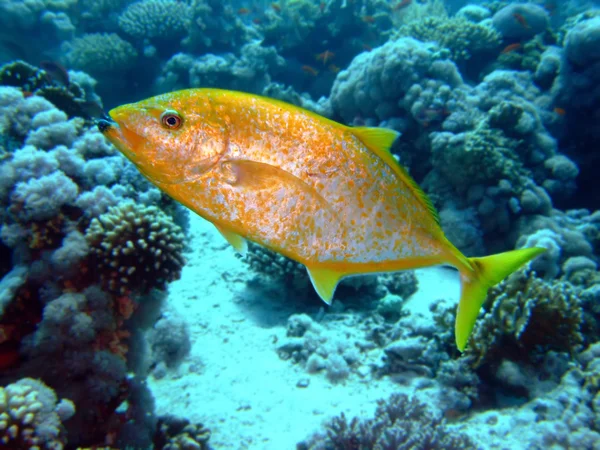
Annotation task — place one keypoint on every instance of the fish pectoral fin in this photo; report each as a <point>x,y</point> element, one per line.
<point>324,281</point>
<point>237,242</point>
<point>266,177</point>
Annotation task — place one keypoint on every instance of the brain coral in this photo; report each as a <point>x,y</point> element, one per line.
<point>99,53</point>
<point>136,248</point>
<point>152,18</point>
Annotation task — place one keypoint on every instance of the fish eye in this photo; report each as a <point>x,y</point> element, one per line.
<point>171,120</point>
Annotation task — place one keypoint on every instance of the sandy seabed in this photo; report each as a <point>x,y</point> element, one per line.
<point>234,381</point>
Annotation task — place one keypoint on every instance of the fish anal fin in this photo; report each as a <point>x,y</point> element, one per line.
<point>324,281</point>
<point>237,242</point>
<point>379,141</point>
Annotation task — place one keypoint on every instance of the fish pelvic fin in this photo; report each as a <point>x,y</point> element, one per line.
<point>324,281</point>
<point>487,271</point>
<point>237,242</point>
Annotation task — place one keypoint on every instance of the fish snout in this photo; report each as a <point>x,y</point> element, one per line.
<point>105,124</point>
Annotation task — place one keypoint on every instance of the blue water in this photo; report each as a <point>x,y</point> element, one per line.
<point>128,321</point>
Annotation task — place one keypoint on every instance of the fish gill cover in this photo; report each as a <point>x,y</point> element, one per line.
<point>125,322</point>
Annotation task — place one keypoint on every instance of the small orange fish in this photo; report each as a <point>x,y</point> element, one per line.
<point>325,56</point>
<point>333,68</point>
<point>511,48</point>
<point>368,19</point>
<point>367,47</point>
<point>276,7</point>
<point>326,195</point>
<point>256,21</point>
<point>310,70</point>
<point>401,5</point>
<point>560,111</point>
<point>522,20</point>
<point>243,11</point>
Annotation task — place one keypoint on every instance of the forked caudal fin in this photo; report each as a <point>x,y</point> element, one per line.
<point>487,272</point>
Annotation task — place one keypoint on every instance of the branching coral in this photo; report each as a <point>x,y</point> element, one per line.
<point>31,417</point>
<point>526,317</point>
<point>136,248</point>
<point>400,423</point>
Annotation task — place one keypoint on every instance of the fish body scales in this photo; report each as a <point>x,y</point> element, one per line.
<point>341,203</point>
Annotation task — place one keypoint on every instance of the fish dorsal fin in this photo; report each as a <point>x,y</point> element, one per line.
<point>379,141</point>
<point>236,241</point>
<point>324,281</point>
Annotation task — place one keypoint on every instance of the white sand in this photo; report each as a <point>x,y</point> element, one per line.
<point>244,392</point>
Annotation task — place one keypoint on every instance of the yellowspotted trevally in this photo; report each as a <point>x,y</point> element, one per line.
<point>329,196</point>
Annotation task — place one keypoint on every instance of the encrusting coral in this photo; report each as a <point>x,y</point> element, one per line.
<point>131,236</point>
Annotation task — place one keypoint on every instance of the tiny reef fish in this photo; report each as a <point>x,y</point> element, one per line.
<point>325,56</point>
<point>329,196</point>
<point>401,5</point>
<point>310,70</point>
<point>520,18</point>
<point>560,111</point>
<point>511,48</point>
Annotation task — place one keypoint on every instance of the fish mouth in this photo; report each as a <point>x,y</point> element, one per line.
<point>124,139</point>
<point>105,123</point>
<point>128,143</point>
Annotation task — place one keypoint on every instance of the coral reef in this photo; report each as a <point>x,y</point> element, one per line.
<point>61,183</point>
<point>498,107</point>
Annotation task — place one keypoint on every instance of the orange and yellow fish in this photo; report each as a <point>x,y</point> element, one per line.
<point>511,48</point>
<point>329,196</point>
<point>521,20</point>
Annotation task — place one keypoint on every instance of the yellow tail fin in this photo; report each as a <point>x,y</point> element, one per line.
<point>487,272</point>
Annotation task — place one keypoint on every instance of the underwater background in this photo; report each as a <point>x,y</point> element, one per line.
<point>127,322</point>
